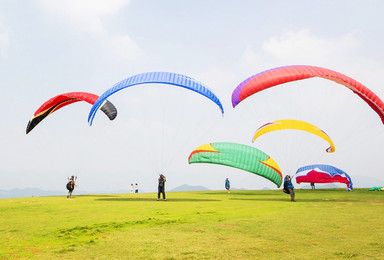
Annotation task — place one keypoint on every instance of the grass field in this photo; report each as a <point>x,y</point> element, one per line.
<point>322,224</point>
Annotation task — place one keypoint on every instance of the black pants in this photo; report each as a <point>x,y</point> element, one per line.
<point>161,190</point>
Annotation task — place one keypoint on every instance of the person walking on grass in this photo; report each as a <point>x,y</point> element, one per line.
<point>161,187</point>
<point>227,185</point>
<point>136,188</point>
<point>312,185</point>
<point>132,188</point>
<point>71,186</point>
<point>289,186</point>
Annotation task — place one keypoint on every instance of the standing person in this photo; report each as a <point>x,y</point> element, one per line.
<point>312,185</point>
<point>132,188</point>
<point>161,187</point>
<point>289,186</point>
<point>136,188</point>
<point>71,186</point>
<point>227,185</point>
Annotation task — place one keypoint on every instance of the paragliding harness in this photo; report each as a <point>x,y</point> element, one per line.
<point>71,184</point>
<point>285,187</point>
<point>161,181</point>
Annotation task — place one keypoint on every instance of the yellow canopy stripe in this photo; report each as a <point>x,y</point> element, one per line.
<point>296,125</point>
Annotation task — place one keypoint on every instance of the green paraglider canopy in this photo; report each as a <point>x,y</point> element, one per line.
<point>379,188</point>
<point>239,156</point>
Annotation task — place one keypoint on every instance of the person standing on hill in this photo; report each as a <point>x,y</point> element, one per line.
<point>132,188</point>
<point>289,186</point>
<point>227,185</point>
<point>136,188</point>
<point>161,187</point>
<point>71,186</point>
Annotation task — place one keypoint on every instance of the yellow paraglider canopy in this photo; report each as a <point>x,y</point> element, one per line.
<point>297,125</point>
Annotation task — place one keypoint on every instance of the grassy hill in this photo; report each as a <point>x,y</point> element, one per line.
<point>325,224</point>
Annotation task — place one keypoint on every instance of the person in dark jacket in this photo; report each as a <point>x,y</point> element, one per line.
<point>227,185</point>
<point>161,187</point>
<point>71,186</point>
<point>289,186</point>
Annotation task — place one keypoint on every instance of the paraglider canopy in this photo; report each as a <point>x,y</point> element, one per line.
<point>280,75</point>
<point>296,125</point>
<point>168,78</point>
<point>320,173</point>
<point>62,100</point>
<point>239,156</point>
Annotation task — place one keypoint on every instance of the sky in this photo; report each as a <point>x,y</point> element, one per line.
<point>50,47</point>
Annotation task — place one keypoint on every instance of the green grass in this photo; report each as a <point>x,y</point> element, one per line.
<point>322,224</point>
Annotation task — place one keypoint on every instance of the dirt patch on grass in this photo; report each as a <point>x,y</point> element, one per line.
<point>228,226</point>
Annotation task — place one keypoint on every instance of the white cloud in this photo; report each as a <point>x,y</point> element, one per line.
<point>249,59</point>
<point>88,16</point>
<point>302,45</point>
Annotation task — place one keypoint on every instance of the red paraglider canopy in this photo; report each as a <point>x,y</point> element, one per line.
<point>276,76</point>
<point>62,100</point>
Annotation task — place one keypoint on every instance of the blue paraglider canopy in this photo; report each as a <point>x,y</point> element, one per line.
<point>320,173</point>
<point>156,77</point>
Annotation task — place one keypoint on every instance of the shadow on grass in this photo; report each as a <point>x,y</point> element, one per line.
<point>342,190</point>
<point>153,199</point>
<point>254,194</point>
<point>213,193</point>
<point>235,193</point>
<point>288,199</point>
<point>97,195</point>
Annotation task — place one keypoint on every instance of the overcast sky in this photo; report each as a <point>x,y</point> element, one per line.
<point>50,47</point>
